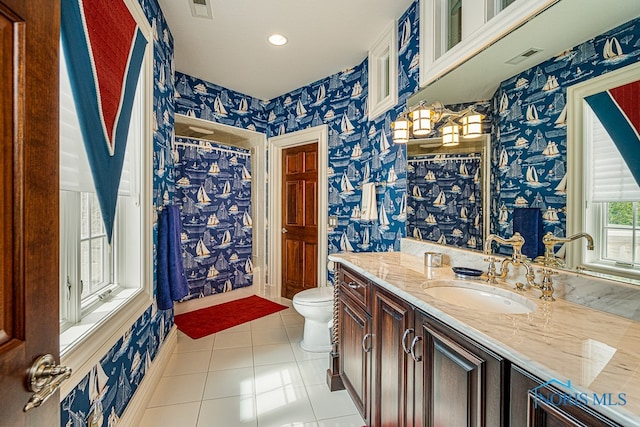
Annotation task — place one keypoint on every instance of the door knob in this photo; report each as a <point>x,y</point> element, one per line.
<point>44,378</point>
<point>284,230</point>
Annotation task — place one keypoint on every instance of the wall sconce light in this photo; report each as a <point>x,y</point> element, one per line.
<point>424,117</point>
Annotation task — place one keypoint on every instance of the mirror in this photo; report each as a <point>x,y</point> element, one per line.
<point>531,117</point>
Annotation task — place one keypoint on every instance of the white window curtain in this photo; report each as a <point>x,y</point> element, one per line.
<point>610,179</point>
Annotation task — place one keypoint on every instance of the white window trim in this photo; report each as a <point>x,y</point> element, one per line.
<point>435,62</point>
<point>98,337</point>
<point>387,43</point>
<point>577,255</point>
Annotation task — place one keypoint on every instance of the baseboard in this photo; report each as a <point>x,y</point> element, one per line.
<point>135,409</point>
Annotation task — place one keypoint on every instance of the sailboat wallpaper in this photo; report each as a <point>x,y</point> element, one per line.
<point>445,199</point>
<point>530,125</point>
<point>213,188</point>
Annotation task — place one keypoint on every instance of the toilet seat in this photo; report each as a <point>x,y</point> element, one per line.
<point>313,296</point>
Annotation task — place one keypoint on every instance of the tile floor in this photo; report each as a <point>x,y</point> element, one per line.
<point>254,374</point>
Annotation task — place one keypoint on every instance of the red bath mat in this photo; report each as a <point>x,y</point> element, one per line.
<point>207,321</point>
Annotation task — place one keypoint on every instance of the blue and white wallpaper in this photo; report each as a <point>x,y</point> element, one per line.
<point>445,199</point>
<point>531,125</point>
<point>213,186</point>
<point>108,388</point>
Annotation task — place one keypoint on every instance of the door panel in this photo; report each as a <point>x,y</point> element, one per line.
<point>300,219</point>
<point>28,202</point>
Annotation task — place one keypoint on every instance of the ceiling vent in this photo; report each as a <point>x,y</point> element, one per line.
<point>201,9</point>
<point>524,55</point>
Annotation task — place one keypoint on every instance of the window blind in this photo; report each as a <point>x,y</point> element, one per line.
<point>610,179</point>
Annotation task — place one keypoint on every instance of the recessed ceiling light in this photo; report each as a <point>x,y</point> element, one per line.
<point>277,39</point>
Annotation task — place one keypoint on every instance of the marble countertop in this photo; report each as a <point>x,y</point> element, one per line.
<point>597,351</point>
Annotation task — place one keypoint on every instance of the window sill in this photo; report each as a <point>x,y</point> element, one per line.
<point>84,344</point>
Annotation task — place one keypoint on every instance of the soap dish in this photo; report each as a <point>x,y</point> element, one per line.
<point>466,272</point>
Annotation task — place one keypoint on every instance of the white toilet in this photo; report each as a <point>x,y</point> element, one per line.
<point>316,306</point>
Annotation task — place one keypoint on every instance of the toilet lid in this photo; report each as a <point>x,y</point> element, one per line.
<point>310,296</point>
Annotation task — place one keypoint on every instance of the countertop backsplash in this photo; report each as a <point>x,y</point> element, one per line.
<point>610,296</point>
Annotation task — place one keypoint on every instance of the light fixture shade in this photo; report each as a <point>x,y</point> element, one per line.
<point>450,134</point>
<point>472,125</point>
<point>401,130</point>
<point>421,118</point>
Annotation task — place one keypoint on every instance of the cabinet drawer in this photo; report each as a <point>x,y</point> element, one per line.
<point>357,287</point>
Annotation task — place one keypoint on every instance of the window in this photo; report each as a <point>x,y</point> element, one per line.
<point>104,287</point>
<point>383,73</point>
<point>454,23</point>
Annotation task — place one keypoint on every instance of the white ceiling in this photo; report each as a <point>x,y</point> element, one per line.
<point>325,37</point>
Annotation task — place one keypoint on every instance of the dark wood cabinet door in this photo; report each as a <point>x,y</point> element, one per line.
<point>528,411</point>
<point>355,352</point>
<point>457,382</point>
<point>299,219</point>
<point>392,367</point>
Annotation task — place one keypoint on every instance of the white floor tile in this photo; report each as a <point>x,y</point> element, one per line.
<point>232,340</point>
<point>271,335</point>
<point>246,326</point>
<point>314,371</point>
<point>327,404</point>
<point>270,377</point>
<point>183,415</point>
<point>237,411</point>
<point>295,332</point>
<point>268,322</point>
<point>285,406</point>
<point>231,358</point>
<point>300,354</point>
<point>270,354</point>
<point>178,389</point>
<point>291,317</point>
<point>188,363</point>
<point>350,421</point>
<point>187,344</point>
<point>228,383</point>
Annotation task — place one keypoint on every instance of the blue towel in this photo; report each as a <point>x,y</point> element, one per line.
<point>170,277</point>
<point>528,222</point>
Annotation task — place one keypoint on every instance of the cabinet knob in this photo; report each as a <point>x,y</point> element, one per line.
<point>415,341</point>
<point>406,349</point>
<point>364,343</point>
<point>353,285</point>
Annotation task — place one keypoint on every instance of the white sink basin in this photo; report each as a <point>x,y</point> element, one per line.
<point>478,296</point>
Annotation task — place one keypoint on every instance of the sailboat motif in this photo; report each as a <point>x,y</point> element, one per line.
<point>226,238</point>
<point>551,215</point>
<point>346,126</point>
<point>244,106</point>
<point>203,198</point>
<point>226,190</point>
<point>355,212</point>
<point>300,110</point>
<point>551,150</point>
<point>219,107</point>
<point>441,200</point>
<point>417,234</point>
<point>551,84</point>
<point>532,175</point>
<point>562,118</point>
<point>365,239</point>
<point>561,188</point>
<point>431,219</point>
<point>356,153</point>
<point>366,175</point>
<point>504,102</point>
<point>503,215</point>
<point>212,273</point>
<point>430,176</point>
<point>345,184</point>
<point>521,201</point>
<point>246,176</point>
<point>406,34</point>
<point>403,208</point>
<point>382,217</point>
<point>532,113</point>
<point>345,245</point>
<point>472,242</point>
<point>384,144</point>
<point>391,176</point>
<point>248,266</point>
<point>201,249</point>
<point>160,169</point>
<point>357,90</point>
<point>612,49</point>
<point>463,213</point>
<point>417,193</point>
<point>213,221</point>
<point>442,240</point>
<point>504,159</point>
<point>246,219</point>
<point>320,95</point>
<point>463,169</point>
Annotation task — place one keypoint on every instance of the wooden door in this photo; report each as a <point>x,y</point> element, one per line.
<point>29,34</point>
<point>299,219</point>
<point>392,371</point>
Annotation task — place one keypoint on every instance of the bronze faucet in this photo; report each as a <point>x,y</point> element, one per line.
<point>517,259</point>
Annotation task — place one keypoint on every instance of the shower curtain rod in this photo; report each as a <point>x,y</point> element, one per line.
<point>224,150</point>
<point>444,159</point>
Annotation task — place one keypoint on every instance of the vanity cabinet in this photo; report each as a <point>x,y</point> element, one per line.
<point>457,381</point>
<point>528,411</point>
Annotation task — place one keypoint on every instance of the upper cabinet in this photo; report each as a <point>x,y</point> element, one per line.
<point>468,47</point>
